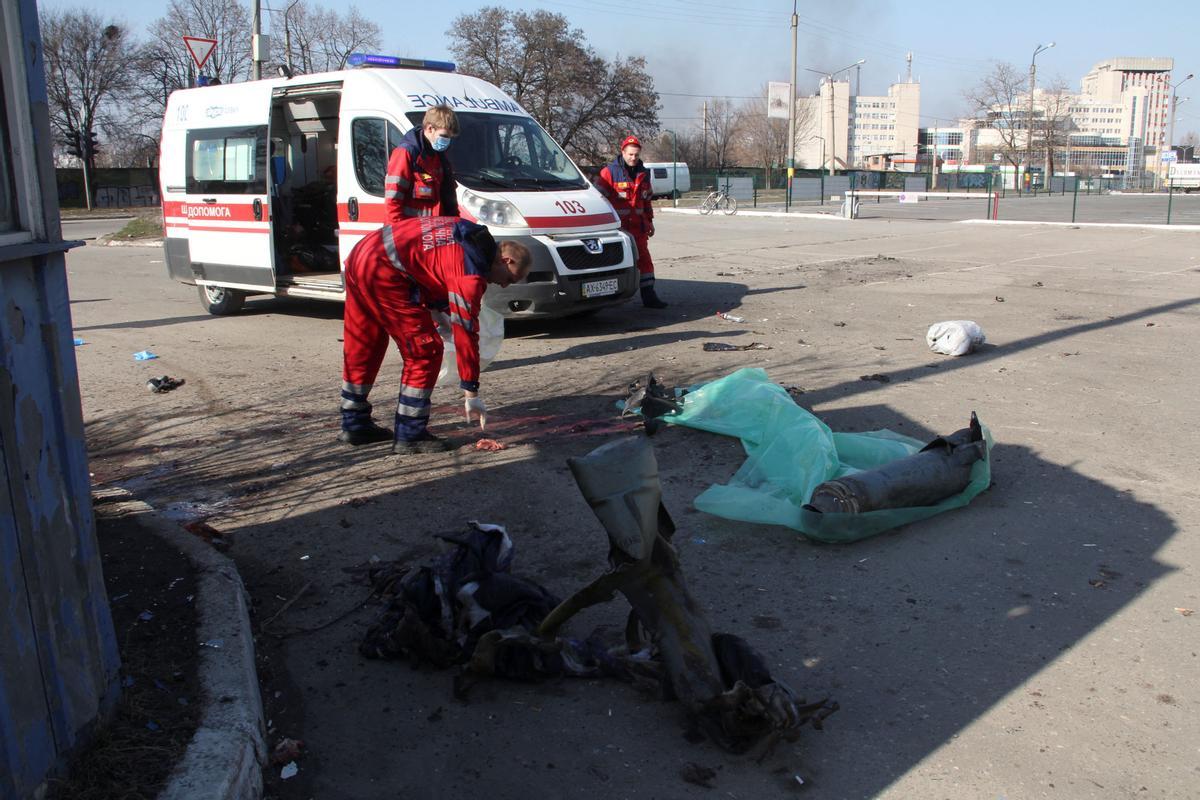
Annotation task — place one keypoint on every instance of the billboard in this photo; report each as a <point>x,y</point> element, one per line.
<point>777,99</point>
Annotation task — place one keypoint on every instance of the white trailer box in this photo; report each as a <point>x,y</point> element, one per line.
<point>667,177</point>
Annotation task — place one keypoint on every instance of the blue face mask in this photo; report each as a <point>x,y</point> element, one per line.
<point>442,143</point>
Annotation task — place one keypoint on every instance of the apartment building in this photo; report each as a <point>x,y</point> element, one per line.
<point>845,131</point>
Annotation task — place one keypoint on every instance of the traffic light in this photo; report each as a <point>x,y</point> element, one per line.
<point>91,146</point>
<point>72,143</point>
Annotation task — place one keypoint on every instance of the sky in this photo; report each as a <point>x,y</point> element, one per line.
<point>705,48</point>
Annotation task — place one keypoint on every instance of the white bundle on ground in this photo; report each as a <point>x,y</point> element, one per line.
<point>491,336</point>
<point>954,338</point>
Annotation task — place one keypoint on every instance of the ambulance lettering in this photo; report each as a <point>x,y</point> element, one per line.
<point>208,212</point>
<point>481,103</point>
<point>435,237</point>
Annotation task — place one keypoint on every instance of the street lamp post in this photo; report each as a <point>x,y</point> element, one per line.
<point>1174,103</point>
<point>791,172</point>
<point>674,167</point>
<point>832,112</point>
<point>1029,120</point>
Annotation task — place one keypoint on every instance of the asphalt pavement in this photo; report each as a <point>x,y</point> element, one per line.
<point>1039,643</point>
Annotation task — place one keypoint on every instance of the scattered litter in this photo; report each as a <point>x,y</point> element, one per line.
<point>839,324</point>
<point>877,377</point>
<point>164,384</point>
<point>721,347</point>
<point>698,775</point>
<point>730,317</point>
<point>144,355</point>
<point>1187,612</point>
<point>305,558</point>
<point>954,337</point>
<point>1149,324</point>
<point>1038,285</point>
<point>146,616</point>
<point>79,342</point>
<point>878,347</point>
<point>799,780</point>
<point>699,540</point>
<point>490,445</point>
<point>215,644</point>
<point>118,597</point>
<point>152,725</point>
<point>287,750</point>
<point>999,299</point>
<point>289,770</point>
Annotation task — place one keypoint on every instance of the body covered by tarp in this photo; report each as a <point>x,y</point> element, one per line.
<point>790,452</point>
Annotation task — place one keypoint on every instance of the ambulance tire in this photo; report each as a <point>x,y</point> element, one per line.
<point>220,301</point>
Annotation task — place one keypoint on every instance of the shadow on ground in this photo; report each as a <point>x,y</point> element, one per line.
<point>918,633</point>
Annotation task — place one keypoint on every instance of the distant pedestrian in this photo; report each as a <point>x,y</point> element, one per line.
<point>626,184</point>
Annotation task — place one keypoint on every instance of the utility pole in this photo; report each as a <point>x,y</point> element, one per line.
<point>255,39</point>
<point>791,113</point>
<point>858,79</point>
<point>832,129</point>
<point>704,133</point>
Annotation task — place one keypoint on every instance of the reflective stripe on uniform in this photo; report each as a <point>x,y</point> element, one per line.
<point>459,300</point>
<point>646,279</point>
<point>357,388</point>
<point>410,211</point>
<point>403,183</point>
<point>465,322</point>
<point>354,396</point>
<point>389,245</point>
<point>414,401</point>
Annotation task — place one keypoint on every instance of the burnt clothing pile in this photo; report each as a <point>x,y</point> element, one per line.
<point>467,609</point>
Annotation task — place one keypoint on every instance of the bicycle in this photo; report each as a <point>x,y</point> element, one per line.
<point>719,199</point>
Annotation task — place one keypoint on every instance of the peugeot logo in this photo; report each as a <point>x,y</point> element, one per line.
<point>592,245</point>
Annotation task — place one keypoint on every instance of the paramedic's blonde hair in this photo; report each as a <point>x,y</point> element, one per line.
<point>442,116</point>
<point>519,253</point>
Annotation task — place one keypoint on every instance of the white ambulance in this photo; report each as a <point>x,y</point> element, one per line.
<point>267,185</point>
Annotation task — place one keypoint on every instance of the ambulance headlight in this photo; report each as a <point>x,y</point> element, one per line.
<point>492,212</point>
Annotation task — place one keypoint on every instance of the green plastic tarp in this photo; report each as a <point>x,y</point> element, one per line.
<point>789,452</point>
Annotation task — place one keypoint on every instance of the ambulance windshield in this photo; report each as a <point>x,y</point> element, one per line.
<point>502,151</point>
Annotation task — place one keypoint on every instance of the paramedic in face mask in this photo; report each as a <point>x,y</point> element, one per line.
<point>420,181</point>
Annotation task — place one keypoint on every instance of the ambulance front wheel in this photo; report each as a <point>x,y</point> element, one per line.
<point>220,301</point>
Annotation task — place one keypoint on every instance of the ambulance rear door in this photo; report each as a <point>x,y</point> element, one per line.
<point>228,207</point>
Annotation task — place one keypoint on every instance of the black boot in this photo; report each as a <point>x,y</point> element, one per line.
<point>371,434</point>
<point>650,299</point>
<point>427,443</point>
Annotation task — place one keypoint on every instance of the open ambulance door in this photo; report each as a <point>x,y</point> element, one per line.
<point>361,186</point>
<point>228,208</point>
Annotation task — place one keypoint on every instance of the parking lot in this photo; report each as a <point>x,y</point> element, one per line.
<point>1038,643</point>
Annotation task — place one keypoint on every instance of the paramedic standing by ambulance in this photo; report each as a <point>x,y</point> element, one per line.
<point>393,278</point>
<point>420,181</point>
<point>626,184</point>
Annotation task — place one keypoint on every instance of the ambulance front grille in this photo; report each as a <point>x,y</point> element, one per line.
<point>578,257</point>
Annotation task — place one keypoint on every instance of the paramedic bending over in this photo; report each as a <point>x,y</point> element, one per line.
<point>420,181</point>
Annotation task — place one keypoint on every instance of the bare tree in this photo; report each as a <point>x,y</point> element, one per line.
<point>684,147</point>
<point>763,140</point>
<point>586,102</point>
<point>86,66</point>
<point>165,63</point>
<point>722,127</point>
<point>1052,130</point>
<point>1000,104</point>
<point>316,39</point>
<point>1190,139</point>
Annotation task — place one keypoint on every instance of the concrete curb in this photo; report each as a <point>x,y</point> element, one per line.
<point>225,757</point>
<point>1137,225</point>
<point>751,213</point>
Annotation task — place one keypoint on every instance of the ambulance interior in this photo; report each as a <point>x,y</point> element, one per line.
<point>303,171</point>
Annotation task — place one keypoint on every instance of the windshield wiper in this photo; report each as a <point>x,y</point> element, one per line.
<point>486,178</point>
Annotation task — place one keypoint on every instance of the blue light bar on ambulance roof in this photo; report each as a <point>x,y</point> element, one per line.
<point>372,60</point>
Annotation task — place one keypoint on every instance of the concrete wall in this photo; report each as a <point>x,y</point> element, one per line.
<point>58,655</point>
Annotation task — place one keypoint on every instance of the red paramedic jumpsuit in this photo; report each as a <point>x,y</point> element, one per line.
<point>419,182</point>
<point>628,190</point>
<point>394,276</point>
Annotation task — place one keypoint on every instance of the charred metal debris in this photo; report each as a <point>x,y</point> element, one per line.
<point>466,609</point>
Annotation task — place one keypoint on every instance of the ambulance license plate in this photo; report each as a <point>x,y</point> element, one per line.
<point>600,288</point>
